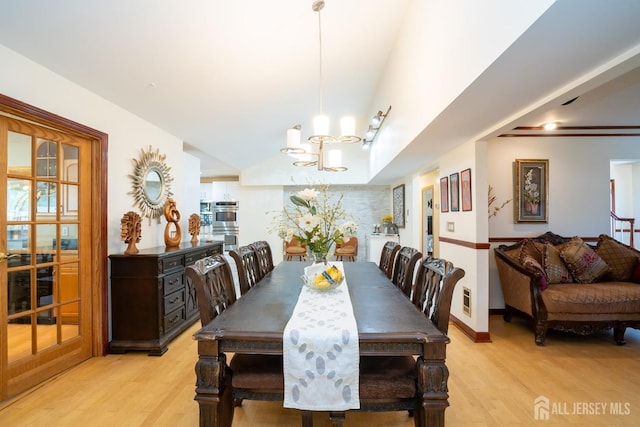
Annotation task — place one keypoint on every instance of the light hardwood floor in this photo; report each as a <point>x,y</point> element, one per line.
<point>490,384</point>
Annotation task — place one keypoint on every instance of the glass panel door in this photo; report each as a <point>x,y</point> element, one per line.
<point>45,323</point>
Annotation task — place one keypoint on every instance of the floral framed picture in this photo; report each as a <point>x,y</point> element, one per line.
<point>444,194</point>
<point>465,189</point>
<point>398,205</point>
<point>454,183</point>
<point>531,190</point>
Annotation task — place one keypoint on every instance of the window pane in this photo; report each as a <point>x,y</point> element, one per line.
<point>19,290</point>
<point>46,197</point>
<point>18,200</point>
<point>47,331</point>
<point>17,237</point>
<point>70,202</point>
<point>19,154</point>
<point>45,239</point>
<point>45,283</point>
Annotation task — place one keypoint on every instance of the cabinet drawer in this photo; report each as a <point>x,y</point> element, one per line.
<point>171,263</point>
<point>173,319</point>
<point>173,301</point>
<point>193,257</point>
<point>173,282</point>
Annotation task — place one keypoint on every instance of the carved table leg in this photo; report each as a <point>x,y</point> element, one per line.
<point>213,391</point>
<point>432,386</point>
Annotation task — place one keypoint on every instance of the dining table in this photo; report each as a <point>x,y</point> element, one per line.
<point>388,324</point>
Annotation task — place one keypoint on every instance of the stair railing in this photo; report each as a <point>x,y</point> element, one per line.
<point>618,228</point>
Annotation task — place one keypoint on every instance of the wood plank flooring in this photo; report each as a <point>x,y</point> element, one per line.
<point>490,384</point>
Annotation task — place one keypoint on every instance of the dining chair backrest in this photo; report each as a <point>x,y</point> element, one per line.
<point>387,257</point>
<point>264,256</point>
<point>436,279</point>
<point>211,277</point>
<point>247,266</point>
<point>404,267</point>
<point>391,383</point>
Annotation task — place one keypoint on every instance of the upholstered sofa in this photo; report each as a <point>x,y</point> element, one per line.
<point>566,284</point>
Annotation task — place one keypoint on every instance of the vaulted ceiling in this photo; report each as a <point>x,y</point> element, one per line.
<point>229,77</point>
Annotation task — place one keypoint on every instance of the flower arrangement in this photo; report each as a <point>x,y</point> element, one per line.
<point>387,218</point>
<point>315,221</point>
<point>531,193</point>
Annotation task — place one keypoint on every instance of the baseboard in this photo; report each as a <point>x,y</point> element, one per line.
<point>477,337</point>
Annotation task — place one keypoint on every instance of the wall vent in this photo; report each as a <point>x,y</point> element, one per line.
<point>466,301</point>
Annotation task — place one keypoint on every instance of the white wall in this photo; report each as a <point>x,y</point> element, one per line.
<point>442,47</point>
<point>23,79</point>
<point>579,173</point>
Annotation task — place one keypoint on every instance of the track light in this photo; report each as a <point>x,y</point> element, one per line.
<point>374,127</point>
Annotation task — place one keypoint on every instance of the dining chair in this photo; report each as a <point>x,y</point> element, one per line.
<point>347,249</point>
<point>250,376</point>
<point>389,383</point>
<point>293,248</point>
<point>264,256</point>
<point>404,267</point>
<point>247,266</point>
<point>387,257</point>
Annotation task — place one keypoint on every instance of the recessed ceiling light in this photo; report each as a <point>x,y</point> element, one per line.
<point>550,125</point>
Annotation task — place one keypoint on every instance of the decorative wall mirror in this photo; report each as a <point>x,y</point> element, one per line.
<point>151,183</point>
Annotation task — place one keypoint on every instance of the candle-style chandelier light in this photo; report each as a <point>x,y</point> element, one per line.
<point>321,136</point>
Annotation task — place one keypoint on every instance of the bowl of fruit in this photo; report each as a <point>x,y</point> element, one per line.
<point>321,277</point>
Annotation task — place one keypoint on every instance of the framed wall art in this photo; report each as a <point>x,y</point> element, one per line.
<point>398,205</point>
<point>444,194</point>
<point>454,183</point>
<point>531,190</point>
<point>465,189</point>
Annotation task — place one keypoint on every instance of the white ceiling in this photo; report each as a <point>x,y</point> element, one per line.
<point>229,77</point>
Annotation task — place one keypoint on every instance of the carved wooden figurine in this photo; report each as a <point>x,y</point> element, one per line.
<point>194,227</point>
<point>131,231</point>
<point>172,215</point>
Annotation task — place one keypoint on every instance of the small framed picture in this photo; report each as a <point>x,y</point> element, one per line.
<point>444,194</point>
<point>465,189</point>
<point>454,183</point>
<point>398,205</point>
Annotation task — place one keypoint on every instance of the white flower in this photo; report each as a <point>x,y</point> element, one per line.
<point>307,222</point>
<point>308,194</point>
<point>349,229</point>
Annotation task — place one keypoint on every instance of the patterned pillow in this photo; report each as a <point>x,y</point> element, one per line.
<point>620,257</point>
<point>529,248</point>
<point>530,263</point>
<point>585,264</point>
<point>554,266</point>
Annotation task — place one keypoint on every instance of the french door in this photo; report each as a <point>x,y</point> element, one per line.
<point>45,253</point>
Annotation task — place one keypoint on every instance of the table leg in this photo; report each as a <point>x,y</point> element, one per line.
<point>213,391</point>
<point>432,386</point>
<point>336,418</point>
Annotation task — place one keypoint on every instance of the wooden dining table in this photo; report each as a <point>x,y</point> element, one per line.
<point>388,324</point>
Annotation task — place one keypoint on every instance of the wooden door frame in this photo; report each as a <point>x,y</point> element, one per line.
<point>99,145</point>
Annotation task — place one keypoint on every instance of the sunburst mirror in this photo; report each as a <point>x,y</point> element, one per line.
<point>151,183</point>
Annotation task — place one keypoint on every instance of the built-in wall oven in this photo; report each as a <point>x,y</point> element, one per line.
<point>224,222</point>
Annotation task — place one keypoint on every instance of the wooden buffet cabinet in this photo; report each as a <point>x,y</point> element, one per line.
<point>151,302</point>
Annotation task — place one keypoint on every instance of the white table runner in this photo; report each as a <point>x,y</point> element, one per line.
<point>321,353</point>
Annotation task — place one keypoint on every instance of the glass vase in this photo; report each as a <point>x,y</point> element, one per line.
<point>319,257</point>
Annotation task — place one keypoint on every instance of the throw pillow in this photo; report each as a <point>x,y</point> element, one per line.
<point>621,258</point>
<point>635,274</point>
<point>554,266</point>
<point>530,263</point>
<point>529,248</point>
<point>585,264</point>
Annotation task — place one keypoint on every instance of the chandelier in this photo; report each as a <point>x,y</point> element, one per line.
<point>321,135</point>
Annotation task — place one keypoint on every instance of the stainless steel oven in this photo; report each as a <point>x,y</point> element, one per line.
<point>224,221</point>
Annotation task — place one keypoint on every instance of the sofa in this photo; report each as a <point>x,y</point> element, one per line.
<point>567,284</point>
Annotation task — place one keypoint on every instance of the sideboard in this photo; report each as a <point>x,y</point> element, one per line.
<point>151,302</point>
